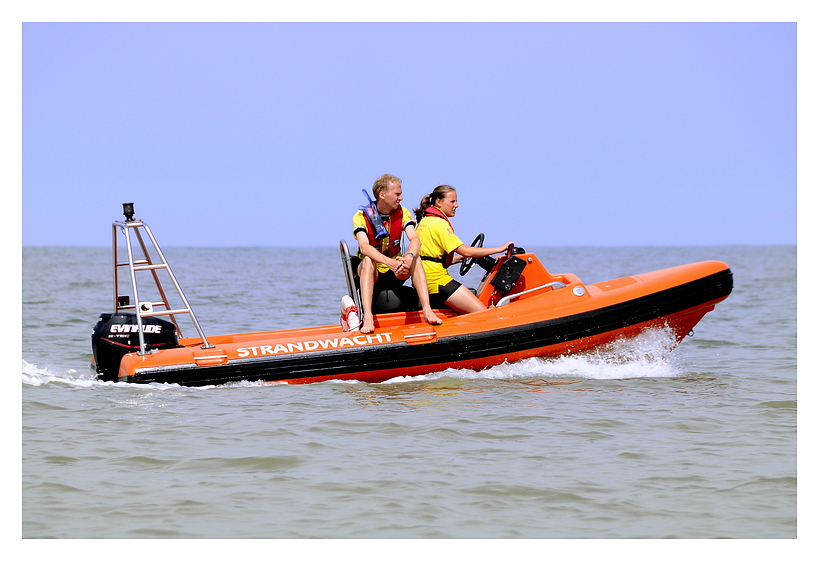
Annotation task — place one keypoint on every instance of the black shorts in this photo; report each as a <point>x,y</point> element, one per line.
<point>388,280</point>
<point>385,281</point>
<point>444,292</point>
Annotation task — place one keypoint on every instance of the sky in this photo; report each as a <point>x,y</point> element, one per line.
<point>553,134</point>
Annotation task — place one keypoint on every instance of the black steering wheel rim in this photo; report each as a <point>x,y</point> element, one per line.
<point>467,263</point>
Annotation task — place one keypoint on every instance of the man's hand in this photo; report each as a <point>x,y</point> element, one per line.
<point>402,267</point>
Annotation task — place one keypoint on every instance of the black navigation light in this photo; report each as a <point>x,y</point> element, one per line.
<point>128,211</point>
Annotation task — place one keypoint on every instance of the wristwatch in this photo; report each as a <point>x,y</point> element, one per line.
<point>411,254</point>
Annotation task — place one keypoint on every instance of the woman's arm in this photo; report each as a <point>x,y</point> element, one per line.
<point>469,251</point>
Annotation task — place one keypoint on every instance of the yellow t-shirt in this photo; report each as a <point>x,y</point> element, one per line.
<point>360,223</point>
<point>437,239</point>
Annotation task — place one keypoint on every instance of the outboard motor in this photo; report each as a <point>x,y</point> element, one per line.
<point>116,334</point>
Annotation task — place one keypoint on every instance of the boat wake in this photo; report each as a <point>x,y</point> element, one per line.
<point>647,355</point>
<point>34,375</point>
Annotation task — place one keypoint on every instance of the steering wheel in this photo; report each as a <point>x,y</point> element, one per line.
<point>466,264</point>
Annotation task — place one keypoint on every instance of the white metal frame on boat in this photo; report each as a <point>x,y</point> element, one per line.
<point>146,309</point>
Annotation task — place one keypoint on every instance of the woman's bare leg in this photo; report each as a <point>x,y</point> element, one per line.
<point>463,301</point>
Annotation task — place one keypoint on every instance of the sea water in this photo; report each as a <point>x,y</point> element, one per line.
<point>636,440</point>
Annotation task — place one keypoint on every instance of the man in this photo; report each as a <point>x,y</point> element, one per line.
<point>382,265</point>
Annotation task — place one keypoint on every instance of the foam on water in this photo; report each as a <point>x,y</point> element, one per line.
<point>34,375</point>
<point>647,355</point>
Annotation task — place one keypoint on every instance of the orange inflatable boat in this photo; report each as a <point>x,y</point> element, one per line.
<point>533,313</point>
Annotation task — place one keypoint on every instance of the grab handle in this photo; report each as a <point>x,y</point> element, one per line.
<point>506,299</point>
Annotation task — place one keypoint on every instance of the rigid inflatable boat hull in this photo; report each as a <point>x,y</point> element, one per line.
<point>546,323</point>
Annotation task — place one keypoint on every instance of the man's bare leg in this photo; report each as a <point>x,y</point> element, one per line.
<point>367,275</point>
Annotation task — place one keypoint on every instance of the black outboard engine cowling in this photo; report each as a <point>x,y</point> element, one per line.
<point>116,335</point>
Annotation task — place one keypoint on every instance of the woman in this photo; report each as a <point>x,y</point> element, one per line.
<point>440,248</point>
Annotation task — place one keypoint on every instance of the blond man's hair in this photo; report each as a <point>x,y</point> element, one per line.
<point>382,184</point>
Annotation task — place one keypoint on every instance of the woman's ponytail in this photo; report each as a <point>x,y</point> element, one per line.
<point>429,200</point>
<point>422,206</point>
